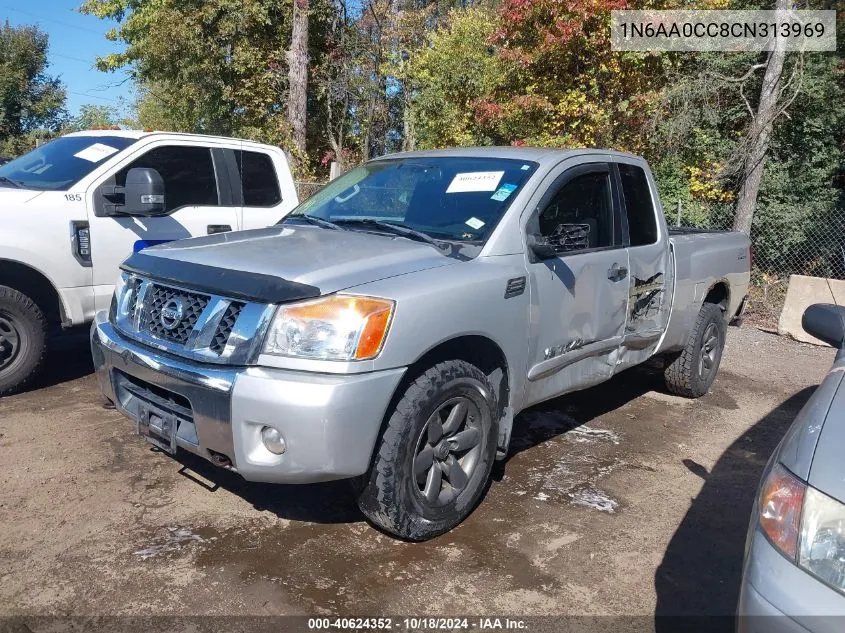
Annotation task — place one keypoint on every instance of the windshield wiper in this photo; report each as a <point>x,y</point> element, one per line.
<point>397,229</point>
<point>313,219</point>
<point>15,184</point>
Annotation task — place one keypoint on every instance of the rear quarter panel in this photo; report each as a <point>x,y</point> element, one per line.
<point>701,261</point>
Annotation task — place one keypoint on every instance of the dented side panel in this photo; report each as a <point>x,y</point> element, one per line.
<point>578,320</point>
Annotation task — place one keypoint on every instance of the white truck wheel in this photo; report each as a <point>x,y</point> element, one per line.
<point>23,339</point>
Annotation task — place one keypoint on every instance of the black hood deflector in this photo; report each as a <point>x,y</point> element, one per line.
<point>235,284</point>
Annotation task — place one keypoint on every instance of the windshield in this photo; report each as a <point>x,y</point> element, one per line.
<point>447,198</point>
<point>60,163</point>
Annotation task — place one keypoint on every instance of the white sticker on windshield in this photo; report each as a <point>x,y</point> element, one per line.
<point>96,152</point>
<point>475,181</point>
<point>475,223</point>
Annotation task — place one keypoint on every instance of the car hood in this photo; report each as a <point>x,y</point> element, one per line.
<point>827,472</point>
<point>10,196</point>
<point>321,258</point>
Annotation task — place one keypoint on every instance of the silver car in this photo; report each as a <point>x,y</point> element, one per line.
<point>794,570</point>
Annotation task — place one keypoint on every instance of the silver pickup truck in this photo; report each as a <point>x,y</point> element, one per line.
<point>392,326</point>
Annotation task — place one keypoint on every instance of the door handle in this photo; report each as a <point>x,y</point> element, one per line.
<point>218,228</point>
<point>617,273</point>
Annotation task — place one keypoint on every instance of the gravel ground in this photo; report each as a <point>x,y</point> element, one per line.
<point>618,500</point>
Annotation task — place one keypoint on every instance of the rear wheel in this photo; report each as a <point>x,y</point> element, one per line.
<point>436,454</point>
<point>23,339</point>
<point>693,371</point>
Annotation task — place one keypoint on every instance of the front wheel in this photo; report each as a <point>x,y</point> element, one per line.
<point>23,339</point>
<point>436,454</point>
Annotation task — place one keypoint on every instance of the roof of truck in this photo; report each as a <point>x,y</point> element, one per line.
<point>137,134</point>
<point>538,154</point>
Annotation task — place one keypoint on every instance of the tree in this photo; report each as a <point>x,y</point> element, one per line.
<point>213,64</point>
<point>94,117</point>
<point>297,58</point>
<point>458,69</point>
<point>773,102</point>
<point>565,86</point>
<point>30,99</point>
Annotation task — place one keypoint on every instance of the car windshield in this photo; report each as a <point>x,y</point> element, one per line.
<point>61,163</point>
<point>457,199</point>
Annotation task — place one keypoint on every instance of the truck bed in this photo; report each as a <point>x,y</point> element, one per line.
<point>691,230</point>
<point>703,258</point>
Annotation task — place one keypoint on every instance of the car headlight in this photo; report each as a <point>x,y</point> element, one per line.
<point>806,525</point>
<point>781,499</point>
<point>339,327</point>
<point>821,549</point>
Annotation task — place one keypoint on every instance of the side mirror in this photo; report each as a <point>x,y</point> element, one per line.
<point>541,248</point>
<point>826,322</point>
<point>144,192</point>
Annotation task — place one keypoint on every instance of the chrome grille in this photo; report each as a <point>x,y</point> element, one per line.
<point>132,288</point>
<point>202,326</point>
<point>192,306</point>
<point>221,335</point>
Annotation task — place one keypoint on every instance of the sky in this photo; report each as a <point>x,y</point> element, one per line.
<point>75,41</point>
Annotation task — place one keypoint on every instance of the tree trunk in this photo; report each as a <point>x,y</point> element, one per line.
<point>409,142</point>
<point>297,58</point>
<point>760,133</point>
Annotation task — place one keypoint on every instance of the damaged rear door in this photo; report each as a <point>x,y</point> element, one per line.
<point>652,273</point>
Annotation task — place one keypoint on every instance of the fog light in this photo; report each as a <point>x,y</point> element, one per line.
<point>273,440</point>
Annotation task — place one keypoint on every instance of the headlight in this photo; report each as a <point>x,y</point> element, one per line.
<point>781,498</point>
<point>822,546</point>
<point>340,327</point>
<point>806,525</point>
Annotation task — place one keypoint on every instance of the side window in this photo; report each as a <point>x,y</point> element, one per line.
<point>642,224</point>
<point>258,180</point>
<point>188,175</point>
<point>580,216</point>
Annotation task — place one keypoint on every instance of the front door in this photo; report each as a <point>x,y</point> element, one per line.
<point>198,202</point>
<point>580,296</point>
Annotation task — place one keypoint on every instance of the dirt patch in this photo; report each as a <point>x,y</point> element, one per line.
<point>618,500</point>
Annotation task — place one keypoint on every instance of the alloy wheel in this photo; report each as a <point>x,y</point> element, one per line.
<point>710,351</point>
<point>448,451</point>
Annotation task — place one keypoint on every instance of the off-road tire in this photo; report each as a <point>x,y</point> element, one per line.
<point>682,374</point>
<point>30,328</point>
<point>388,494</point>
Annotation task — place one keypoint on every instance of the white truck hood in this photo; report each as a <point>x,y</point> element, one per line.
<point>10,196</point>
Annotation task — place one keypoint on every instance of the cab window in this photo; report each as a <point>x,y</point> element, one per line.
<point>642,224</point>
<point>259,184</point>
<point>580,215</point>
<point>188,174</point>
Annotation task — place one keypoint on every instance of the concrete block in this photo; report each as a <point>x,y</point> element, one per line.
<point>802,292</point>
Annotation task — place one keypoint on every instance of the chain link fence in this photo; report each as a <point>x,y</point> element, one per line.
<point>305,189</point>
<point>785,241</point>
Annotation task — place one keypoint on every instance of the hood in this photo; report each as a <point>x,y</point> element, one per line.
<point>827,472</point>
<point>10,196</point>
<point>800,440</point>
<point>312,256</point>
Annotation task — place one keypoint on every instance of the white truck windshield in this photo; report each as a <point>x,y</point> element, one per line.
<point>61,163</point>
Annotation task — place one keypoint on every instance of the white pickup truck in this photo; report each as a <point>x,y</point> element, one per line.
<point>72,210</point>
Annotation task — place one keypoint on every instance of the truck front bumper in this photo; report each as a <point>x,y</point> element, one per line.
<point>329,422</point>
